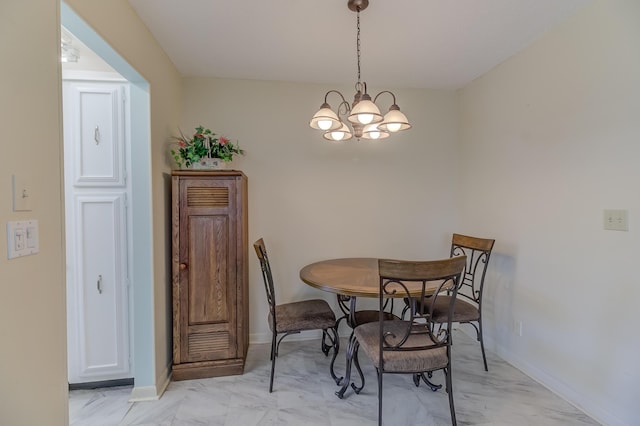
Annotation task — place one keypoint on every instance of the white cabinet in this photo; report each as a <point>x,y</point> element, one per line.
<point>97,299</point>
<point>97,218</point>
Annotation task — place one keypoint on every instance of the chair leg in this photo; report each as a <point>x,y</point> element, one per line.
<point>273,361</point>
<point>416,379</point>
<point>449,389</point>
<point>481,338</point>
<point>288,333</point>
<point>379,396</point>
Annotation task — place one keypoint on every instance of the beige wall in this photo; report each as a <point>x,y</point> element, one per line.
<point>32,305</point>
<point>550,138</point>
<point>311,199</point>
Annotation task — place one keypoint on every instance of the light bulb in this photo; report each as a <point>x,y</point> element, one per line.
<point>394,127</point>
<point>374,134</point>
<point>337,136</point>
<point>365,118</point>
<point>324,124</point>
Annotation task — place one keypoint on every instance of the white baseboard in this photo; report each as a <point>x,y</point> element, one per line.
<point>144,393</point>
<point>257,338</point>
<point>151,393</point>
<point>559,388</point>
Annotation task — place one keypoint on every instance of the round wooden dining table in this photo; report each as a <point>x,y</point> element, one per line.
<point>353,276</point>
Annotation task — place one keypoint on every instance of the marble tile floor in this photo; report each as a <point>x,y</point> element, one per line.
<point>304,395</point>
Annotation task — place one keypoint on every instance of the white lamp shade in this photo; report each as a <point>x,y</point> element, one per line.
<point>394,121</point>
<point>372,131</point>
<point>341,134</point>
<point>325,119</point>
<point>365,112</point>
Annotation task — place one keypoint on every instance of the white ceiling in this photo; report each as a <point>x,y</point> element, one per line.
<point>404,43</point>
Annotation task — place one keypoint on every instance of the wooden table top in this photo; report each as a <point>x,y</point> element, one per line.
<point>351,277</point>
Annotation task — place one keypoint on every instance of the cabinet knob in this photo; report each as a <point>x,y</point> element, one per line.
<point>183,266</point>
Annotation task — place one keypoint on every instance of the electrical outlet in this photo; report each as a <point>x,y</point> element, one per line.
<point>516,328</point>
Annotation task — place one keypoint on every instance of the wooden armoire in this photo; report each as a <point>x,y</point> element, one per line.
<point>210,273</point>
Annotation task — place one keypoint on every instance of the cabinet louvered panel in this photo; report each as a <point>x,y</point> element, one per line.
<point>205,346</point>
<point>210,300</point>
<point>207,197</point>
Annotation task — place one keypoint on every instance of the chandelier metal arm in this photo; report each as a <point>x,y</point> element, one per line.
<point>333,91</point>
<point>385,91</point>
<point>343,103</point>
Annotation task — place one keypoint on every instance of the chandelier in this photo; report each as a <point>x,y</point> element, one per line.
<point>363,114</point>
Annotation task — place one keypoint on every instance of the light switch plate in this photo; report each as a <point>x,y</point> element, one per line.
<point>616,220</point>
<point>22,194</point>
<point>22,238</point>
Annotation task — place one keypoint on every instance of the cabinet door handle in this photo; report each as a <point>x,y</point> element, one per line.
<point>183,266</point>
<point>96,135</point>
<point>99,284</point>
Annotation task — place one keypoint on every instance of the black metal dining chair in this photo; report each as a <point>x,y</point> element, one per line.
<point>418,345</point>
<point>291,318</point>
<point>468,305</point>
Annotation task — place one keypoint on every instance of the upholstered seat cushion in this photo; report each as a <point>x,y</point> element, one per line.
<point>462,311</point>
<point>401,361</point>
<point>304,315</point>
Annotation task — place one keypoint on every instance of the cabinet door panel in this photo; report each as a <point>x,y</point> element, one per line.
<point>99,337</point>
<point>98,135</point>
<point>209,275</point>
<point>208,246</point>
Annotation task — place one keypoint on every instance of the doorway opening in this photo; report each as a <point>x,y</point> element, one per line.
<point>140,271</point>
<point>97,218</point>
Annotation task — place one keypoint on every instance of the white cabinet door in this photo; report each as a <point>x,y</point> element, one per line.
<point>96,193</point>
<point>97,148</point>
<point>98,332</point>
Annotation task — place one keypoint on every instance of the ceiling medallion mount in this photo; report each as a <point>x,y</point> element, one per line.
<point>357,5</point>
<point>363,114</point>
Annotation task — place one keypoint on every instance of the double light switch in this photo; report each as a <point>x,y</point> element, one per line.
<point>22,238</point>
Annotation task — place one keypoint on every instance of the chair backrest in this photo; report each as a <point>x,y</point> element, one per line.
<point>261,251</point>
<point>417,280</point>
<point>478,252</point>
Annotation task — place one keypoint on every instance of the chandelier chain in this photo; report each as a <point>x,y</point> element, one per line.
<point>358,42</point>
